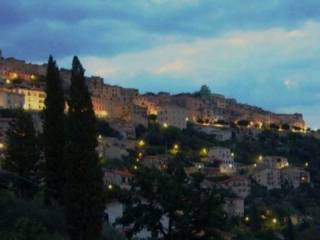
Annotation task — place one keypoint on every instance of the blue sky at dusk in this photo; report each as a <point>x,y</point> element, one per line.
<point>265,53</point>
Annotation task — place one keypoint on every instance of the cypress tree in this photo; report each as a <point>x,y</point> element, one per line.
<point>22,154</point>
<point>84,200</point>
<point>54,136</point>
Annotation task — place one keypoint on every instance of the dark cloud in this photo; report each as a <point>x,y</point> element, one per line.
<point>31,29</point>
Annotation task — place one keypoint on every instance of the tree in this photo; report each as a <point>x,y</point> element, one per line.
<point>203,92</point>
<point>243,123</point>
<point>191,212</point>
<point>105,130</point>
<point>54,133</point>
<point>22,154</point>
<point>285,126</point>
<point>84,196</point>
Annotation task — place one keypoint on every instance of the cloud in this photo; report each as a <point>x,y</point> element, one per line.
<point>266,53</point>
<point>275,68</point>
<point>106,28</point>
<point>173,67</point>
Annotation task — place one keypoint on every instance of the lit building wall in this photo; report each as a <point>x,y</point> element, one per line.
<point>9,100</point>
<point>33,98</point>
<point>173,116</point>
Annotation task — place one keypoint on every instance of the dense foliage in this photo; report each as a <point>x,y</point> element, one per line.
<point>173,206</point>
<point>54,134</point>
<point>22,154</point>
<point>84,196</point>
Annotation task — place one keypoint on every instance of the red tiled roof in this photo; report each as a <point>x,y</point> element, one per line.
<point>235,178</point>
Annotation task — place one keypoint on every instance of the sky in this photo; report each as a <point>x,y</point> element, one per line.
<point>265,53</point>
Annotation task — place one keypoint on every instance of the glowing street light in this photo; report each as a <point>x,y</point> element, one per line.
<point>306,164</point>
<point>1,146</point>
<point>260,125</point>
<point>165,125</point>
<point>135,167</point>
<point>175,149</point>
<point>33,77</point>
<point>13,75</point>
<point>141,143</point>
<point>203,152</point>
<point>247,219</point>
<point>260,158</point>
<point>110,187</point>
<point>274,220</point>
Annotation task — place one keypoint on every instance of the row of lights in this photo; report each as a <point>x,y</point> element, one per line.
<point>274,220</point>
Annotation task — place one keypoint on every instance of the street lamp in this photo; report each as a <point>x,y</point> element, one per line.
<point>140,155</point>
<point>141,143</point>
<point>203,152</point>
<point>175,149</point>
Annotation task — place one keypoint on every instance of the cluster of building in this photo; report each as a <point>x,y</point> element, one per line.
<point>221,171</point>
<point>22,85</point>
<point>275,171</point>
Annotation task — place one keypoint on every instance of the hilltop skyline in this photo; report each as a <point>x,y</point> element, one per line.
<point>266,55</point>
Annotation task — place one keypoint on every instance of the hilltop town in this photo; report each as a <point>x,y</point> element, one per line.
<point>22,85</point>
<point>244,151</point>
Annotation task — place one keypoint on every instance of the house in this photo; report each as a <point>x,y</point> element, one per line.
<point>156,161</point>
<point>196,168</point>
<point>126,129</point>
<point>295,176</point>
<point>272,162</point>
<point>33,98</point>
<point>221,153</point>
<point>172,115</point>
<point>234,207</point>
<point>111,148</point>
<point>268,177</point>
<point>239,185</point>
<point>225,158</point>
<point>220,134</point>
<point>119,178</point>
<point>10,100</point>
